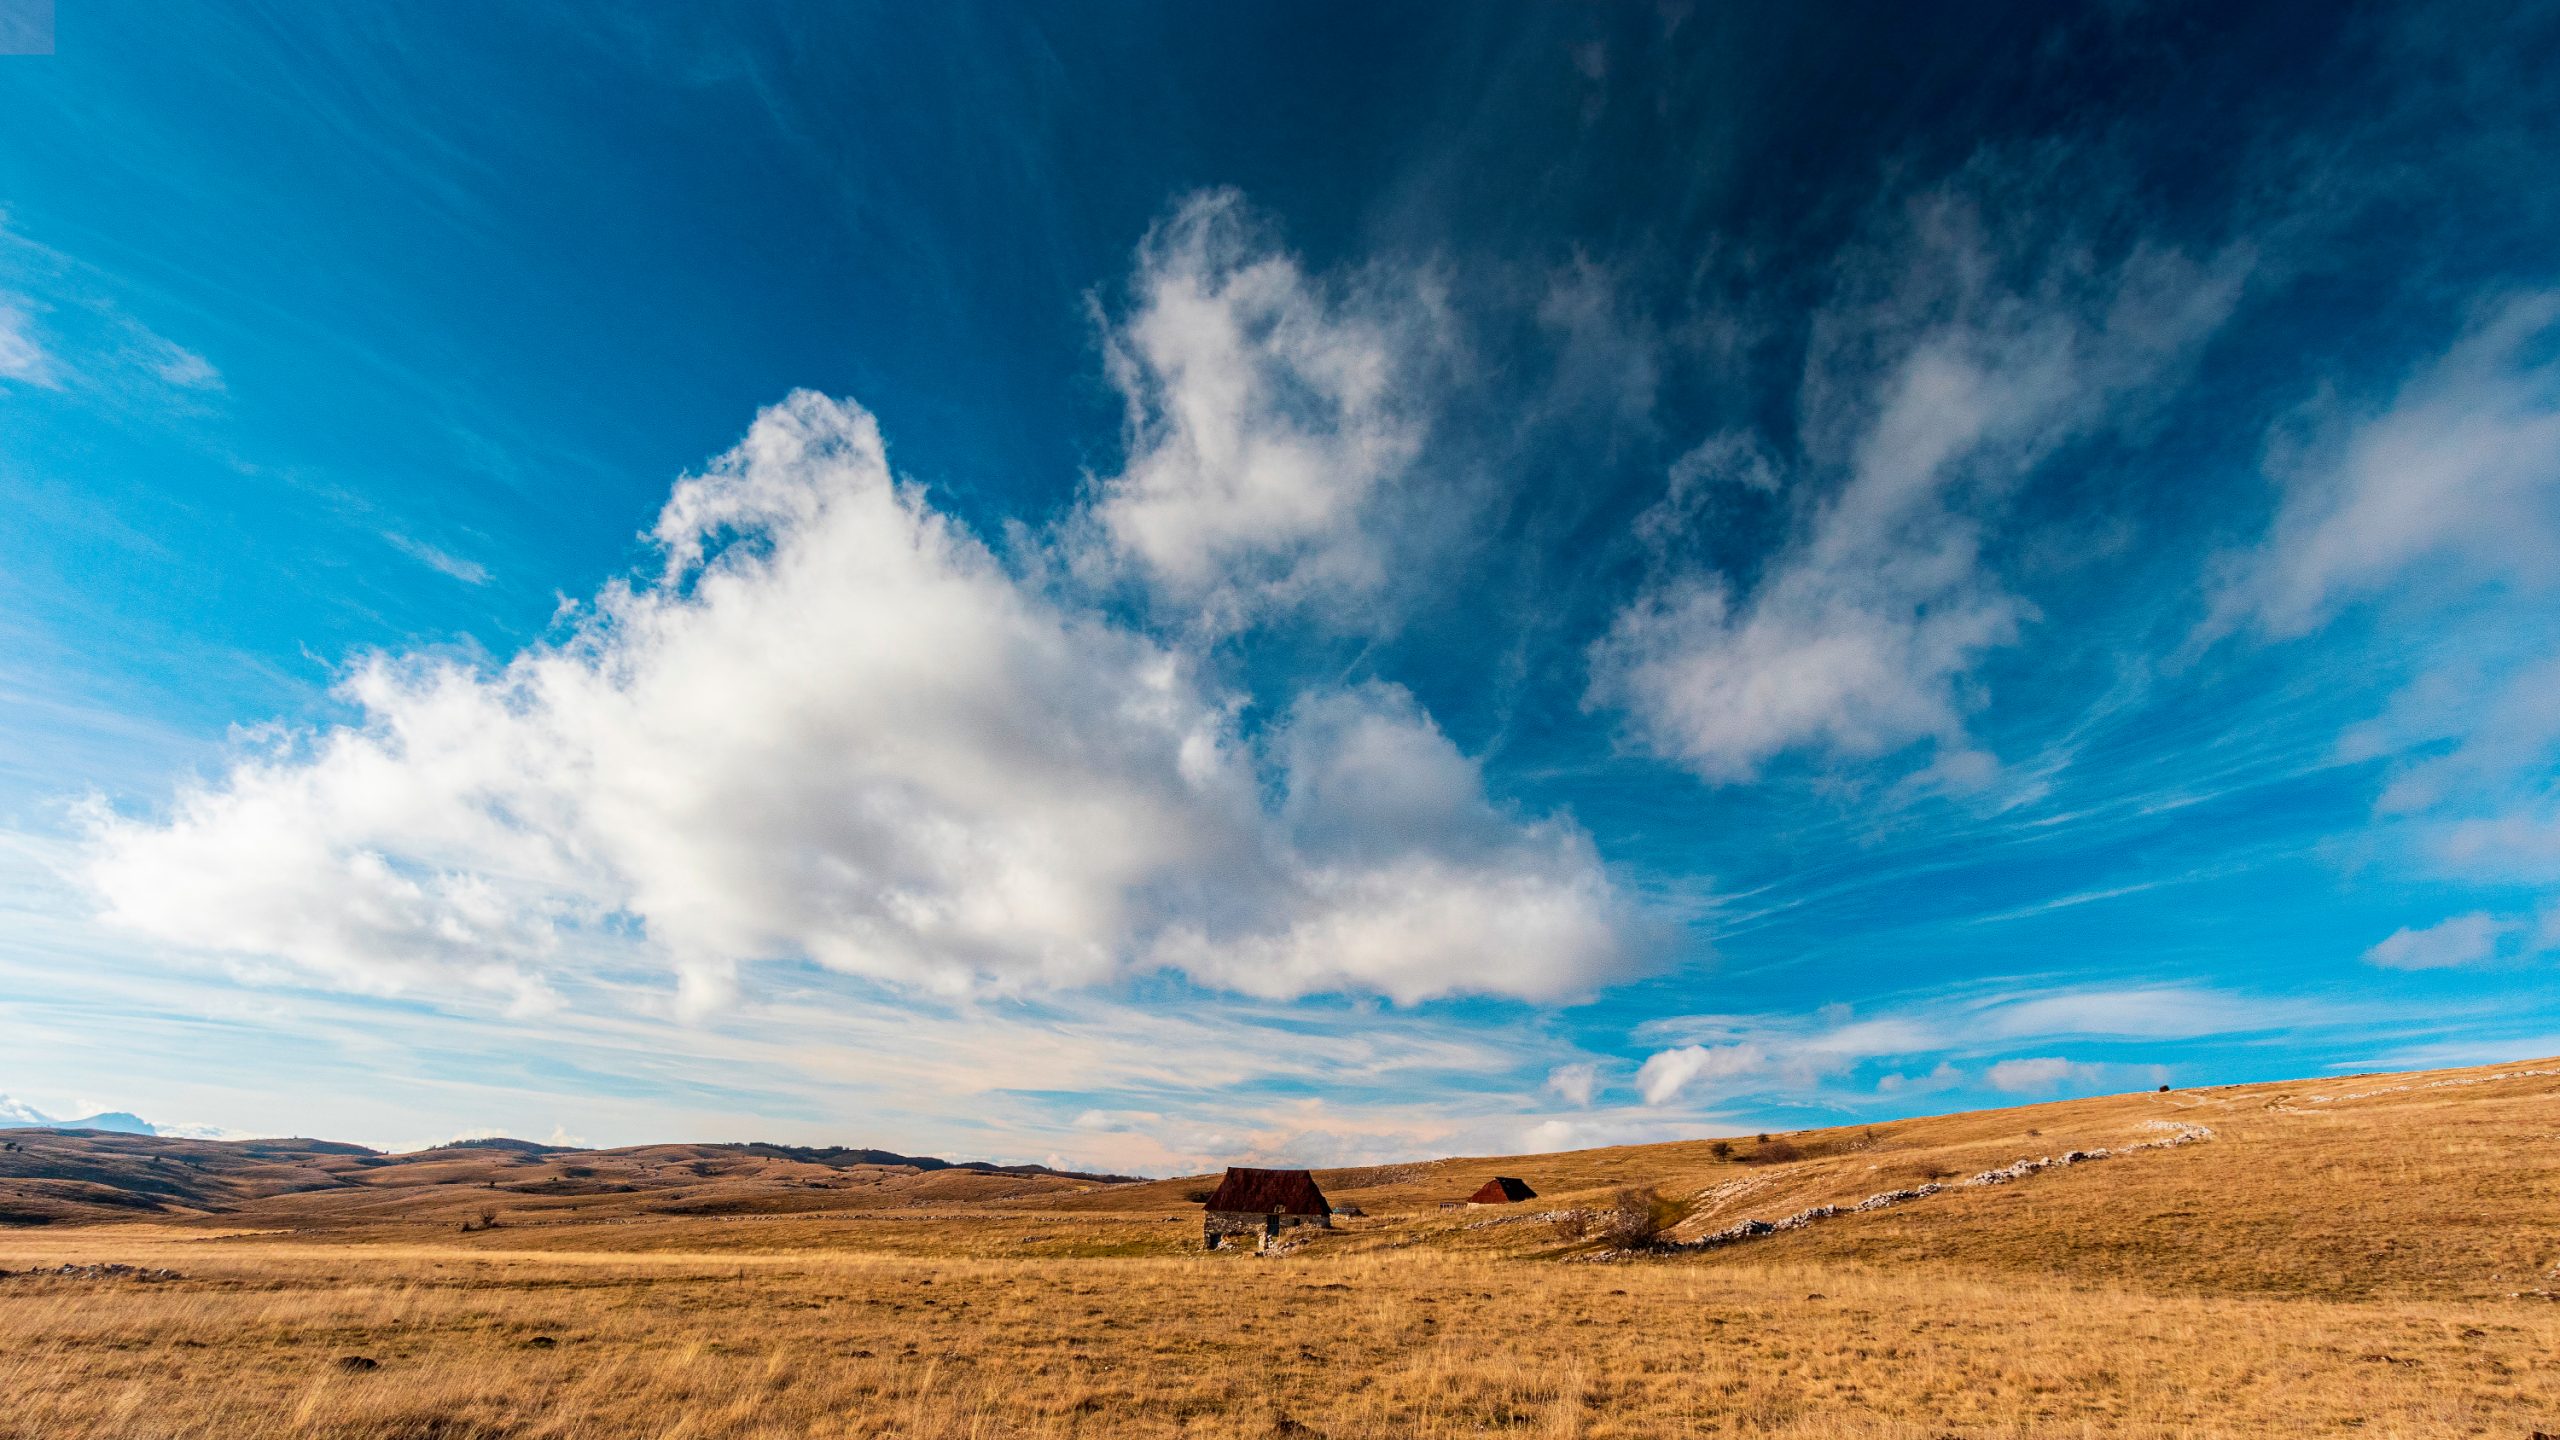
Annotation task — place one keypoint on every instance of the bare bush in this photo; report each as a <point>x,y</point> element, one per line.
<point>1637,1218</point>
<point>1573,1226</point>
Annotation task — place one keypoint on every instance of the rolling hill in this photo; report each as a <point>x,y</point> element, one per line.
<point>2369,1255</point>
<point>2435,1183</point>
<point>55,1177</point>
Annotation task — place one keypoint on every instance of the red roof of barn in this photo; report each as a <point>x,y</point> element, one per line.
<point>1260,1192</point>
<point>1502,1190</point>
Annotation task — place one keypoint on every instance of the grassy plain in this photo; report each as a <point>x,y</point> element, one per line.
<point>2368,1257</point>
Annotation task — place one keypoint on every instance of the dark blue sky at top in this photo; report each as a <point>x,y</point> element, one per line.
<point>480,282</point>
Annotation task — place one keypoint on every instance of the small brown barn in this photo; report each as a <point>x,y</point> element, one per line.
<point>1262,1203</point>
<point>1502,1190</point>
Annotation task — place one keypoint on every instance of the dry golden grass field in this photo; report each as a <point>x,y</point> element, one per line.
<point>2372,1256</point>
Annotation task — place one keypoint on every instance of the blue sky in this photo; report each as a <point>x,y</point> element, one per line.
<point>1157,585</point>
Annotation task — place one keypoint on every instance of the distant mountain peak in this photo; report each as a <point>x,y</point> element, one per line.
<point>16,1114</point>
<point>507,1143</point>
<point>123,1122</point>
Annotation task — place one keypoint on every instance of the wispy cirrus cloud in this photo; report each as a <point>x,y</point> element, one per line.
<point>64,328</point>
<point>2041,1075</point>
<point>2139,1012</point>
<point>1951,361</point>
<point>2459,471</point>
<point>438,559</point>
<point>2442,498</point>
<point>1739,1055</point>
<point>23,357</point>
<point>2470,745</point>
<point>175,364</point>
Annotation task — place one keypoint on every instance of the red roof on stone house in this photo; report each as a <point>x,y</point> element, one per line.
<point>1502,1190</point>
<point>1262,1192</point>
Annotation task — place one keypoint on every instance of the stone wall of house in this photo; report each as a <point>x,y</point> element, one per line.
<point>1217,1227</point>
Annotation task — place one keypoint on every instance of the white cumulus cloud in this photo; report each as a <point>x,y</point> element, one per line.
<point>1268,413</point>
<point>837,727</point>
<point>1402,874</point>
<point>1575,1084</point>
<point>1665,1074</point>
<point>2447,944</point>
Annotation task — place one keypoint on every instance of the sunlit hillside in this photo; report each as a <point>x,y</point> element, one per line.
<point>2375,1255</point>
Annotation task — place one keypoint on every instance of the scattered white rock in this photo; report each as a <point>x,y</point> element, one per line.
<point>1739,1230</point>
<point>95,1272</point>
<point>2179,1134</point>
<point>1527,1217</point>
<point>2457,1081</point>
<point>2014,1170</point>
<point>1805,1217</point>
<point>1897,1197</point>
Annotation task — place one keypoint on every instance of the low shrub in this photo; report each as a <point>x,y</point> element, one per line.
<point>1637,1218</point>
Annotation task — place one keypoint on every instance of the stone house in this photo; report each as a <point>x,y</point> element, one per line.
<point>1262,1203</point>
